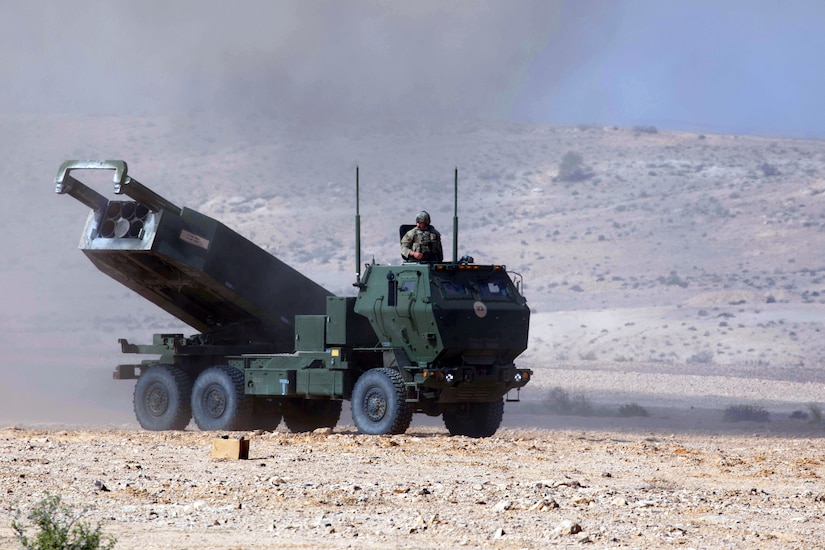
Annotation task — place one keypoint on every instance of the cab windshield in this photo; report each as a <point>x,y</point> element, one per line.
<point>475,285</point>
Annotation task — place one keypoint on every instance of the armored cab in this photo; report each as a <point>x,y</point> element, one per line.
<point>452,331</point>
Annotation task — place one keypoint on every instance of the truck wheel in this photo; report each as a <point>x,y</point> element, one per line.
<point>219,401</point>
<point>475,419</point>
<point>379,403</point>
<point>161,398</point>
<point>305,415</point>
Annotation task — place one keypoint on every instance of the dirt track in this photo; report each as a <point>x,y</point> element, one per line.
<point>525,488</point>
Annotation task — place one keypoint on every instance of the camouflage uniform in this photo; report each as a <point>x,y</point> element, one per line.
<point>427,241</point>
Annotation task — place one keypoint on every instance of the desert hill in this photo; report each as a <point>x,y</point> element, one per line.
<point>652,259</point>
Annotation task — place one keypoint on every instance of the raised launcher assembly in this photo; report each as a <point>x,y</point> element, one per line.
<point>189,264</point>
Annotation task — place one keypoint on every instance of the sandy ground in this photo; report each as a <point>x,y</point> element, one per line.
<point>678,478</point>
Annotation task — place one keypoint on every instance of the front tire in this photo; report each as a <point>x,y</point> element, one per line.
<point>161,398</point>
<point>475,419</point>
<point>219,401</point>
<point>379,403</point>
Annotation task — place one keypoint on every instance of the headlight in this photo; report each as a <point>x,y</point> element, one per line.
<point>517,377</point>
<point>449,377</point>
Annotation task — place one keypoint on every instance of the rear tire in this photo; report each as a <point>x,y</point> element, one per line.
<point>379,403</point>
<point>161,398</point>
<point>219,401</point>
<point>306,415</point>
<point>475,419</point>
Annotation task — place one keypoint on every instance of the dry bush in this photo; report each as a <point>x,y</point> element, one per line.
<point>641,129</point>
<point>632,409</point>
<point>769,170</point>
<point>815,412</point>
<point>559,401</point>
<point>572,168</point>
<point>741,413</point>
<point>701,358</point>
<point>673,280</point>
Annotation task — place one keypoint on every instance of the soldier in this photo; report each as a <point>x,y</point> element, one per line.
<point>422,243</point>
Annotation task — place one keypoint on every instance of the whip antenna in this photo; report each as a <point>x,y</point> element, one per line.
<point>357,231</point>
<point>455,218</point>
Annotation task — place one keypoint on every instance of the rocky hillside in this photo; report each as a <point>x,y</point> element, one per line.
<point>696,254</point>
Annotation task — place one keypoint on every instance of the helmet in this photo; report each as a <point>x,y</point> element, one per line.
<point>423,217</point>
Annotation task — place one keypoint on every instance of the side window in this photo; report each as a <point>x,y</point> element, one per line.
<point>494,289</point>
<point>406,286</point>
<point>454,289</point>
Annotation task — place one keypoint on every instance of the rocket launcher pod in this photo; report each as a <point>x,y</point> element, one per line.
<point>189,264</point>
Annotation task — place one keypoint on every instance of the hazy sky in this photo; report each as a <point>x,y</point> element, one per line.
<point>720,66</point>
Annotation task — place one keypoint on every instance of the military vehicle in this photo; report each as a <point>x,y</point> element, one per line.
<point>435,338</point>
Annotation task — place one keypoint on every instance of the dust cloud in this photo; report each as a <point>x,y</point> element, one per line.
<point>735,67</point>
<point>313,61</point>
<point>182,90</point>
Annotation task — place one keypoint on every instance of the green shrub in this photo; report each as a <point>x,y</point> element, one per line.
<point>59,528</point>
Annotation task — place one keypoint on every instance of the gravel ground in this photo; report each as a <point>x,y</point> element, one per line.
<point>600,483</point>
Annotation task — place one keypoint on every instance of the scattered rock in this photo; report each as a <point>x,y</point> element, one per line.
<point>644,504</point>
<point>544,504</point>
<point>553,484</point>
<point>566,527</point>
<point>502,506</point>
<point>358,492</point>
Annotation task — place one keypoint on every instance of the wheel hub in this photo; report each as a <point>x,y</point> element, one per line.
<point>214,401</point>
<point>375,404</point>
<point>157,400</point>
